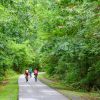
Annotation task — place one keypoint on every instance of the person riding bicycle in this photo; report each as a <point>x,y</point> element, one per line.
<point>26,74</point>
<point>30,71</point>
<point>35,73</point>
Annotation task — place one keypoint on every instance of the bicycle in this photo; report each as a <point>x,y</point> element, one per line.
<point>30,73</point>
<point>35,76</point>
<point>26,77</point>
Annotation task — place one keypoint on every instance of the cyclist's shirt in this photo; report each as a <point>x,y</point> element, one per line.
<point>35,72</point>
<point>30,70</point>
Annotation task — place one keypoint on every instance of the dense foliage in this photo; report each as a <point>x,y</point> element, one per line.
<point>61,36</point>
<point>16,33</point>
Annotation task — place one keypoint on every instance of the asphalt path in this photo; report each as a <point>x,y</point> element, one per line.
<point>32,90</point>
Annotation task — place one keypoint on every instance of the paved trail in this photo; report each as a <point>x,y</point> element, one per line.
<point>32,90</point>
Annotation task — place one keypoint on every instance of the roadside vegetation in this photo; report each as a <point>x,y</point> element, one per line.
<point>9,86</point>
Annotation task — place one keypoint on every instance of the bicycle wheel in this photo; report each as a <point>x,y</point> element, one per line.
<point>35,78</point>
<point>26,78</point>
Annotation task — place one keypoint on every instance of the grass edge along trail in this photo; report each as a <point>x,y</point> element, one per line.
<point>67,92</point>
<point>9,86</point>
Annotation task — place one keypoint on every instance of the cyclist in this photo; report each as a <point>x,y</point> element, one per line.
<point>35,74</point>
<point>30,71</point>
<point>26,74</point>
